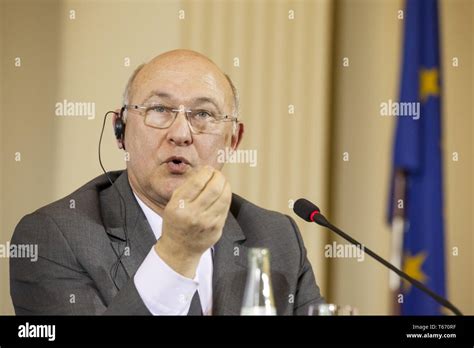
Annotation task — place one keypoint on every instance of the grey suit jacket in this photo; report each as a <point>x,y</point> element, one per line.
<point>80,236</point>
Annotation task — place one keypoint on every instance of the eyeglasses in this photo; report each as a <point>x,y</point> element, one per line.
<point>199,120</point>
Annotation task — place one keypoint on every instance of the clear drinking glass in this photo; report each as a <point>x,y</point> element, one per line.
<point>258,294</point>
<point>330,309</point>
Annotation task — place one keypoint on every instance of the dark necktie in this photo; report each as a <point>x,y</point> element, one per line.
<point>195,308</point>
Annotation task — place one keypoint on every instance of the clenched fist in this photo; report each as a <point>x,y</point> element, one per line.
<point>193,220</point>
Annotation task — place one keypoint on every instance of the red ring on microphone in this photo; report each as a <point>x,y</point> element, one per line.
<point>311,217</point>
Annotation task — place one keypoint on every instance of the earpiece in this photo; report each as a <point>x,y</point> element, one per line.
<point>119,128</point>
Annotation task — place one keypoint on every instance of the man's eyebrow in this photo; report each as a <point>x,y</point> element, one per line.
<point>158,94</point>
<point>200,100</point>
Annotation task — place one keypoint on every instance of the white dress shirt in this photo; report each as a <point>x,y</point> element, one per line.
<point>164,291</point>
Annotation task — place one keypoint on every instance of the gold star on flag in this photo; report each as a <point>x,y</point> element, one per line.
<point>429,83</point>
<point>412,265</point>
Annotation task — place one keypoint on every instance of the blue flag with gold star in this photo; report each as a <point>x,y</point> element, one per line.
<point>417,154</point>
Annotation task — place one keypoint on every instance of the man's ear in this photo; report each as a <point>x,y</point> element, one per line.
<point>237,136</point>
<point>120,143</point>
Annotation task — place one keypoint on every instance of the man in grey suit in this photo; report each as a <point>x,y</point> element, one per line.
<point>166,236</point>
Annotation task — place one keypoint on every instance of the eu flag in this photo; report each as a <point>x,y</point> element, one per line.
<point>418,155</point>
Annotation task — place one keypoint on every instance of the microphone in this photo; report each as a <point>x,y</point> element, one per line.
<point>311,213</point>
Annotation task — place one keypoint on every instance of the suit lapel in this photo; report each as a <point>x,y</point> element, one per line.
<point>126,219</point>
<point>229,271</point>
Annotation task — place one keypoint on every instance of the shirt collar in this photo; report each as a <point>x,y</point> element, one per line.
<point>153,218</point>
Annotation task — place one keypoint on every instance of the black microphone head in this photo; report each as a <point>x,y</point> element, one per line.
<point>304,209</point>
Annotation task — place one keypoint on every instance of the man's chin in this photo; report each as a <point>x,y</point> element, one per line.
<point>166,186</point>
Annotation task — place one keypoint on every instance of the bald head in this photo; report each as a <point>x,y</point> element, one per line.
<point>181,67</point>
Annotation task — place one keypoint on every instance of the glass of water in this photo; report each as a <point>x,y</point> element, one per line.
<point>330,309</point>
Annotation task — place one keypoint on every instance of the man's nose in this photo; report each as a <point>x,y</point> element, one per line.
<point>179,132</point>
